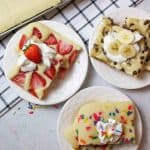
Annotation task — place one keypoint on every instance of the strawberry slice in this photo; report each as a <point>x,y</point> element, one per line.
<point>73,57</point>
<point>64,48</point>
<point>22,41</point>
<point>51,40</point>
<point>19,79</point>
<point>36,32</point>
<point>33,53</point>
<point>54,62</point>
<point>37,81</point>
<point>62,73</point>
<point>33,92</point>
<point>50,72</point>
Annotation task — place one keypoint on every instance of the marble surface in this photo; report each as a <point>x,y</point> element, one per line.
<point>23,129</point>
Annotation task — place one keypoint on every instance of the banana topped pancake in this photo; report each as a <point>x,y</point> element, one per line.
<point>121,47</point>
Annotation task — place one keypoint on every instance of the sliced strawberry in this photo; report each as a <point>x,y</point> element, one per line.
<point>62,73</point>
<point>54,62</point>
<point>23,40</point>
<point>51,40</point>
<point>19,79</point>
<point>73,57</point>
<point>36,32</point>
<point>64,48</point>
<point>37,81</point>
<point>33,53</point>
<point>32,92</point>
<point>50,72</point>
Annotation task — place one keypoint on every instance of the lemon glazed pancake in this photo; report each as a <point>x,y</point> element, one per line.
<point>42,52</point>
<point>121,47</point>
<point>102,123</point>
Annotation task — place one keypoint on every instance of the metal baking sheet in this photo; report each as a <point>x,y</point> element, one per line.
<point>61,4</point>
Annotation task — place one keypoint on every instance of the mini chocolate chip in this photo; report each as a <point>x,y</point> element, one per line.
<point>115,63</point>
<point>142,57</point>
<point>146,22</point>
<point>104,52</point>
<point>132,24</point>
<point>95,45</point>
<point>102,40</point>
<point>122,70</point>
<point>139,70</point>
<point>143,51</point>
<point>134,72</point>
<point>142,62</point>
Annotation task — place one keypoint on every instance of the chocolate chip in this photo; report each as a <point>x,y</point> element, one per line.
<point>139,71</point>
<point>115,63</point>
<point>134,72</point>
<point>142,62</point>
<point>104,52</point>
<point>142,57</point>
<point>132,24</point>
<point>122,70</point>
<point>146,22</point>
<point>102,40</point>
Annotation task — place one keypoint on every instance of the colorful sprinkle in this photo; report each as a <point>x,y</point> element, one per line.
<point>96,117</point>
<point>82,116</point>
<point>100,113</point>
<point>76,131</point>
<point>95,122</point>
<point>82,141</point>
<point>85,120</point>
<point>130,107</point>
<point>93,137</point>
<point>76,138</point>
<point>113,113</point>
<point>110,114</point>
<point>30,112</point>
<point>117,111</point>
<point>90,117</point>
<point>129,113</point>
<point>56,106</point>
<point>88,128</point>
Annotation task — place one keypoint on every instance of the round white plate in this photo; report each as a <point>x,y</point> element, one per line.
<point>114,76</point>
<point>97,93</point>
<point>61,90</point>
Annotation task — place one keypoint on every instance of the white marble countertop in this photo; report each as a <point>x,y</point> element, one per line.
<point>20,130</point>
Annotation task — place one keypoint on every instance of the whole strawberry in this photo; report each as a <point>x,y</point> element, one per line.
<point>33,53</point>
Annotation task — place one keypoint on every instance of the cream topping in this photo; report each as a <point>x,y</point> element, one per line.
<point>110,131</point>
<point>47,55</point>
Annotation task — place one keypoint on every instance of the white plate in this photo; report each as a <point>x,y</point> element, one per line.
<point>61,89</point>
<point>97,93</point>
<point>113,76</point>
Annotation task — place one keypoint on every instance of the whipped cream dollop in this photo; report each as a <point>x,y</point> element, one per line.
<point>111,37</point>
<point>47,55</point>
<point>110,131</point>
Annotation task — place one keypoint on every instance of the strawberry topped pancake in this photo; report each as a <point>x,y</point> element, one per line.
<point>42,55</point>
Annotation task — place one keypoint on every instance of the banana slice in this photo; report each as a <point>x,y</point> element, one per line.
<point>127,51</point>
<point>116,28</point>
<point>113,47</point>
<point>125,36</point>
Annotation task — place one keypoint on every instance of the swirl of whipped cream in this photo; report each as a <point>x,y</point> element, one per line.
<point>110,131</point>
